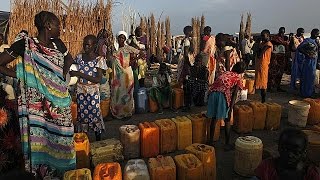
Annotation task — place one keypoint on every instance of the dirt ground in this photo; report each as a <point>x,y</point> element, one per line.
<point>225,160</point>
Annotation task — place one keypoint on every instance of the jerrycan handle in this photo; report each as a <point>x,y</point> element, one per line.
<point>202,148</point>
<point>129,130</point>
<point>160,160</point>
<point>190,162</point>
<point>147,125</point>
<point>111,172</point>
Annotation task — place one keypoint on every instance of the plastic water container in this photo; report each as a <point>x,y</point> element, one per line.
<point>141,101</point>
<point>248,155</point>
<point>136,169</point>
<point>298,113</point>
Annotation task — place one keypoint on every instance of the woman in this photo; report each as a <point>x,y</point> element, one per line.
<point>44,101</point>
<point>122,83</point>
<point>139,41</point>
<point>161,92</point>
<point>197,83</point>
<point>278,60</point>
<point>209,50</point>
<point>227,56</point>
<point>292,163</point>
<point>305,63</point>
<point>222,97</point>
<point>262,64</point>
<point>88,96</point>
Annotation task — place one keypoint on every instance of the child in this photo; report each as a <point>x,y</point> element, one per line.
<point>291,164</point>
<point>88,96</point>
<point>262,64</point>
<point>197,83</point>
<point>223,93</point>
<point>161,91</point>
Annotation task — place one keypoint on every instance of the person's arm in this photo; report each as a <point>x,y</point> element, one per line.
<point>68,60</point>
<point>233,100</point>
<point>302,49</point>
<point>264,49</point>
<point>96,79</point>
<point>9,55</point>
<point>227,56</point>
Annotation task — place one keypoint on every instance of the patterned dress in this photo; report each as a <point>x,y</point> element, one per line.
<point>88,95</point>
<point>220,96</point>
<point>278,61</point>
<point>44,109</point>
<point>122,83</point>
<point>210,62</point>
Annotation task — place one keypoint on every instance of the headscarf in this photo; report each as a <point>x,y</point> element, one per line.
<point>116,44</point>
<point>122,33</point>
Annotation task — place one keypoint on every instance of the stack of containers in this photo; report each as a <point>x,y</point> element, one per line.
<point>243,116</point>
<point>82,148</point>
<point>149,139</point>
<point>162,168</point>
<point>184,132</point>
<point>130,139</point>
<point>198,128</point>
<point>78,174</point>
<point>314,113</point>
<point>136,169</point>
<point>168,135</point>
<point>260,114</point>
<point>107,171</point>
<point>273,116</point>
<point>206,154</point>
<point>109,150</point>
<point>178,96</point>
<point>189,167</point>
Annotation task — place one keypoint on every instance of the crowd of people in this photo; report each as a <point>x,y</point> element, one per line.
<point>42,107</point>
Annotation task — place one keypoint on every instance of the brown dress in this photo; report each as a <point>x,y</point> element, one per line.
<point>262,67</point>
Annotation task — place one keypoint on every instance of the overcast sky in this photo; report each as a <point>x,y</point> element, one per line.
<point>224,15</point>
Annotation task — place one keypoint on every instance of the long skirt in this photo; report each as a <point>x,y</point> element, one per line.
<point>122,87</point>
<point>46,135</point>
<point>307,77</point>
<point>276,69</point>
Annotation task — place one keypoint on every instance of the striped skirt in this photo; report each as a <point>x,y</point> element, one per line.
<point>46,135</point>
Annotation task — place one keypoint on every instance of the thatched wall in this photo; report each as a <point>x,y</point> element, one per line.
<point>77,21</point>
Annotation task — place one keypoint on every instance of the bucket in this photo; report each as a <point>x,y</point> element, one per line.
<point>298,113</point>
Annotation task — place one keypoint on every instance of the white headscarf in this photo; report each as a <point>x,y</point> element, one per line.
<point>116,44</point>
<point>122,33</point>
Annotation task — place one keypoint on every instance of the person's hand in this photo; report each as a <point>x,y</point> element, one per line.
<point>74,73</point>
